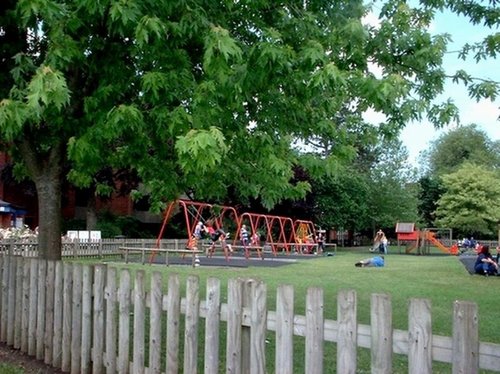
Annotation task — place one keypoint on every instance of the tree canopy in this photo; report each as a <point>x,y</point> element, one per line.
<point>198,96</point>
<point>461,145</point>
<point>471,203</point>
<point>464,145</point>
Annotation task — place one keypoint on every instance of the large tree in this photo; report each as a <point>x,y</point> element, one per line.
<point>471,203</point>
<point>447,155</point>
<point>460,145</point>
<point>201,95</point>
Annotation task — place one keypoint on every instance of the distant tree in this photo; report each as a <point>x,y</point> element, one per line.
<point>471,203</point>
<point>363,196</point>
<point>430,191</point>
<point>393,189</point>
<point>341,202</point>
<point>460,145</point>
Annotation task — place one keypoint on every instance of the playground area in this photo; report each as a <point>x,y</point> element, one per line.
<point>216,231</point>
<point>421,241</point>
<point>216,235</point>
<point>236,260</point>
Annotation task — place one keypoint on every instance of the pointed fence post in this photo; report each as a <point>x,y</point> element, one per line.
<point>465,345</point>
<point>348,331</point>
<point>419,337</point>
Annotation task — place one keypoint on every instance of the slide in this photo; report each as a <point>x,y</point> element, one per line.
<point>431,237</point>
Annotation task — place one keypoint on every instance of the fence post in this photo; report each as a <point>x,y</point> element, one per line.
<point>348,331</point>
<point>139,318</point>
<point>111,322</point>
<point>33,305</point>
<point>58,315</point>
<point>98,319</point>
<point>246,343</point>
<point>284,329</point>
<point>19,302</point>
<point>67,314</point>
<point>40,321</point>
<point>212,323</point>
<point>87,276</point>
<point>11,312</point>
<point>49,313</point>
<point>2,263</point>
<point>76,245</point>
<point>314,331</point>
<point>381,334</point>
<point>124,322</point>
<point>156,301</point>
<point>25,306</point>
<point>234,321</point>
<point>173,317</point>
<point>76,320</point>
<point>465,344</point>
<point>100,249</point>
<point>419,337</point>
<point>258,328</point>
<point>191,324</point>
<point>5,297</point>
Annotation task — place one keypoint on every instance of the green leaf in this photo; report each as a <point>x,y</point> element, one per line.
<point>201,151</point>
<point>47,88</point>
<point>218,43</point>
<point>12,118</point>
<point>149,26</point>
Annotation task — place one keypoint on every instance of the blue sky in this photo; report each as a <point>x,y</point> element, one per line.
<point>417,136</point>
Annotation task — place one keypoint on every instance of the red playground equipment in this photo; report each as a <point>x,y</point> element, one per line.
<point>277,233</point>
<point>195,212</point>
<point>263,225</point>
<point>422,240</point>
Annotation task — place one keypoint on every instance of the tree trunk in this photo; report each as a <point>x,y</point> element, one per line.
<point>91,213</point>
<point>49,211</point>
<point>46,171</point>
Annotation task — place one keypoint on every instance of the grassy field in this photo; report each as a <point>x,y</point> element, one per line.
<point>439,278</point>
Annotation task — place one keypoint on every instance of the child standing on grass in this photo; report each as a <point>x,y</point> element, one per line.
<point>380,242</point>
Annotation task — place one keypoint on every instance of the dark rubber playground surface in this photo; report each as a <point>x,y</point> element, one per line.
<point>235,260</point>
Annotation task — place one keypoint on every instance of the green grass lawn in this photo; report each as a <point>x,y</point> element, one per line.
<point>439,278</point>
<point>10,369</point>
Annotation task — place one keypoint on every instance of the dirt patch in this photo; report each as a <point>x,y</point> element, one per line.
<point>29,364</point>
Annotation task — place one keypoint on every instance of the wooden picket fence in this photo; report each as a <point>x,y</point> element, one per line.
<point>98,319</point>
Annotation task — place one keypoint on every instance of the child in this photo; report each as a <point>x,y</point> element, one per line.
<point>377,261</point>
<point>244,237</point>
<point>380,242</point>
<point>485,265</point>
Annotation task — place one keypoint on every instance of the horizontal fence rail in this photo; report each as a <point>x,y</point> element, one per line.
<point>86,248</point>
<point>98,319</point>
<point>79,248</point>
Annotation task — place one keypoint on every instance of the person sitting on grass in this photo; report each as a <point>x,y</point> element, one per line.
<point>485,265</point>
<point>377,261</point>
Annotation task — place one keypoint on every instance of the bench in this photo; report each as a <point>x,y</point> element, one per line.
<point>247,249</point>
<point>153,251</point>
